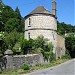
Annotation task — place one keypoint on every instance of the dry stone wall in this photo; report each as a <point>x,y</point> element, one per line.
<point>18,60</point>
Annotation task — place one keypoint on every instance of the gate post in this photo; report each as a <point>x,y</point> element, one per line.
<point>9,56</point>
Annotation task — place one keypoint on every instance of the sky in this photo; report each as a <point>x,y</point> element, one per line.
<point>65,8</point>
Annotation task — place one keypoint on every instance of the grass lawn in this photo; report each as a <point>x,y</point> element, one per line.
<point>21,71</point>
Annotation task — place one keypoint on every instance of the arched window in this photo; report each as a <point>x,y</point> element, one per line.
<point>29,22</point>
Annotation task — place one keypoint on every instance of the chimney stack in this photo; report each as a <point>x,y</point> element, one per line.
<point>54,8</point>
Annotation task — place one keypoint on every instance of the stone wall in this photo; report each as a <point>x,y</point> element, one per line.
<point>17,60</point>
<point>40,24</point>
<point>41,21</point>
<point>60,46</point>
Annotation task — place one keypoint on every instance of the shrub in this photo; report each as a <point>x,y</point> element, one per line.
<point>52,57</point>
<point>1,53</point>
<point>49,56</point>
<point>25,67</point>
<point>46,55</point>
<point>67,55</point>
<point>39,50</point>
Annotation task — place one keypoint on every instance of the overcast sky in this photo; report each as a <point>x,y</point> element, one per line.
<point>65,8</point>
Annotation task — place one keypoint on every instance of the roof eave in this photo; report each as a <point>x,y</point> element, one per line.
<point>39,13</point>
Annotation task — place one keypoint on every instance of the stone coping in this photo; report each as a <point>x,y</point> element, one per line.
<point>25,55</point>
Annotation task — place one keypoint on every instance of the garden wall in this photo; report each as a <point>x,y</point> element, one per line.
<point>17,60</point>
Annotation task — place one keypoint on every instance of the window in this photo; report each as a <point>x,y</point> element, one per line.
<point>53,35</point>
<point>29,35</point>
<point>29,22</point>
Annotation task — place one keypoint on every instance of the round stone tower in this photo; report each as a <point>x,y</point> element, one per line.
<point>42,22</point>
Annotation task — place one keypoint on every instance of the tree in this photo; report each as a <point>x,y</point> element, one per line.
<point>17,12</point>
<point>17,49</point>
<point>8,13</point>
<point>20,20</point>
<point>27,45</point>
<point>40,42</point>
<point>1,26</point>
<point>46,48</point>
<point>70,45</point>
<point>2,43</point>
<point>1,5</point>
<point>11,24</point>
<point>62,27</point>
<point>1,10</point>
<point>11,38</point>
<point>48,52</point>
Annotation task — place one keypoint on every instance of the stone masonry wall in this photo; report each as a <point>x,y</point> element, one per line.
<point>18,60</point>
<point>41,21</point>
<point>60,46</point>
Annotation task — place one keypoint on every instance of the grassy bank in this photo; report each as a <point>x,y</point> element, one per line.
<point>21,71</point>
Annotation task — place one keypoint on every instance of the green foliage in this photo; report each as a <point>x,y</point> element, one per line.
<point>1,5</point>
<point>46,56</point>
<point>1,10</point>
<point>48,47</point>
<point>11,24</point>
<point>40,42</point>
<point>1,35</point>
<point>7,13</point>
<point>40,45</point>
<point>39,50</point>
<point>17,49</point>
<point>10,19</point>
<point>11,41</point>
<point>2,43</point>
<point>1,54</point>
<point>1,26</point>
<point>44,47</point>
<point>70,45</point>
<point>27,45</point>
<point>62,28</point>
<point>17,12</point>
<point>21,20</point>
<point>66,56</point>
<point>49,56</point>
<point>25,67</point>
<point>52,57</point>
<point>11,38</point>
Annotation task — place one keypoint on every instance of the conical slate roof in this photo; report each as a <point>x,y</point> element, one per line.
<point>40,9</point>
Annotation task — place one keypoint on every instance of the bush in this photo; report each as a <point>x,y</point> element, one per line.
<point>66,56</point>
<point>49,56</point>
<point>52,57</point>
<point>1,53</point>
<point>25,67</point>
<point>39,50</point>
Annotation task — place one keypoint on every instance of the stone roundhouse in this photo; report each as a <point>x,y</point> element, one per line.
<point>42,22</point>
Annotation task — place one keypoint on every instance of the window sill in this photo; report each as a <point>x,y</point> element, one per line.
<point>29,26</point>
